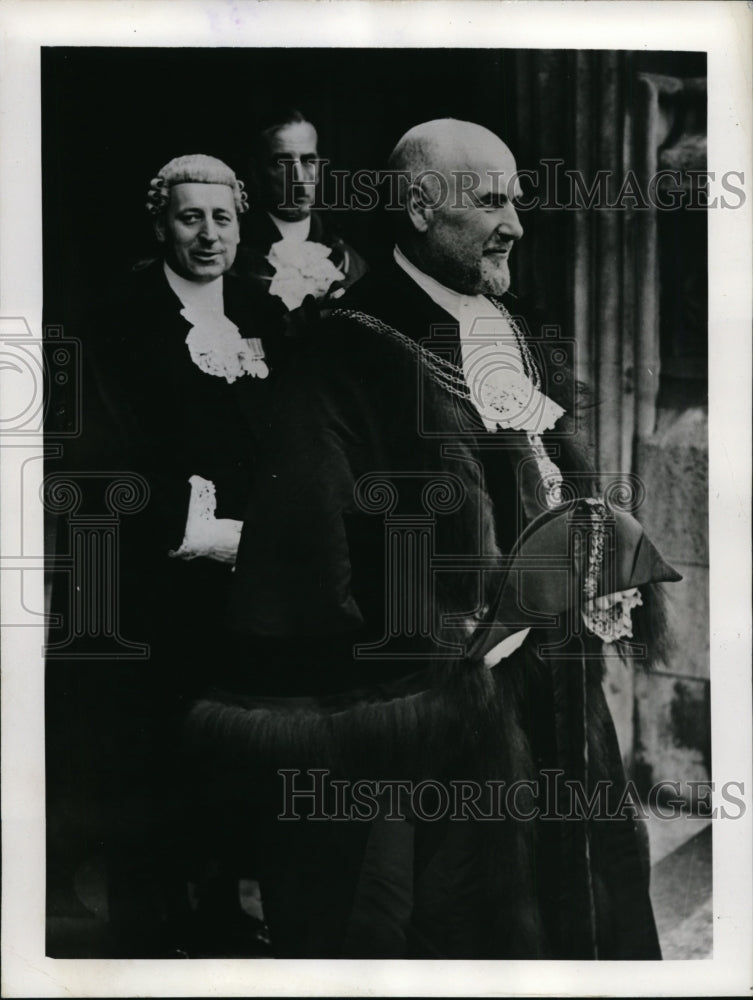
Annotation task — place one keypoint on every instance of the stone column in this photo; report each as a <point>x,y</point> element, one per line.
<point>672,714</point>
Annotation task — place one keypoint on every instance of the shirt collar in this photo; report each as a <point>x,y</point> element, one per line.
<point>298,230</point>
<point>205,296</point>
<point>444,297</point>
<point>476,315</point>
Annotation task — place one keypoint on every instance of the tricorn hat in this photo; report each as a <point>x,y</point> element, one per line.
<point>581,550</point>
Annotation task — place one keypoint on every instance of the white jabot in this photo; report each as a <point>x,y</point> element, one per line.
<point>493,367</point>
<point>298,231</point>
<point>214,341</point>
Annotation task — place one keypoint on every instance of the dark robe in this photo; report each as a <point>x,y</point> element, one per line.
<point>116,689</point>
<point>313,584</point>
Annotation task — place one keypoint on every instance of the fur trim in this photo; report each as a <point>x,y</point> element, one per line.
<point>470,725</point>
<point>411,731</point>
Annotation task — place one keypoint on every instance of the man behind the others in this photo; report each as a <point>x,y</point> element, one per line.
<point>289,248</point>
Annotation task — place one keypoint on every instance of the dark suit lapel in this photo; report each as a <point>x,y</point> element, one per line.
<point>160,311</point>
<point>157,374</point>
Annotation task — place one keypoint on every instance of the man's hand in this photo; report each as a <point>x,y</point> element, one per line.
<point>226,536</point>
<point>206,536</point>
<point>217,539</point>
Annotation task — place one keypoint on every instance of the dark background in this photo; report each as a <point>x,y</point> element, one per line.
<point>627,287</point>
<point>111,117</point>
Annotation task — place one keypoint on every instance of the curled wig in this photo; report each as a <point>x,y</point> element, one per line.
<point>195,168</point>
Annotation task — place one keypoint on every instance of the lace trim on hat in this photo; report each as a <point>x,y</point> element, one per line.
<point>609,617</point>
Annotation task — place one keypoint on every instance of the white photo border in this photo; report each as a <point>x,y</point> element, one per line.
<point>725,31</point>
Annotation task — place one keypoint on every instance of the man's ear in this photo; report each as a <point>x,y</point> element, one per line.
<point>159,229</point>
<point>420,210</point>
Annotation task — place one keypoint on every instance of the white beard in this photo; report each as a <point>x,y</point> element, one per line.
<point>494,278</point>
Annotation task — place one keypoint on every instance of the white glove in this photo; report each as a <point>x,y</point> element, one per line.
<point>205,535</point>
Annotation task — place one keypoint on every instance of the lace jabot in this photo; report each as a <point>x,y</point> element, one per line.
<point>214,342</point>
<point>217,348</point>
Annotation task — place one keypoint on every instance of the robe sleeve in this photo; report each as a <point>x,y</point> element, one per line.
<point>293,573</point>
<point>112,441</point>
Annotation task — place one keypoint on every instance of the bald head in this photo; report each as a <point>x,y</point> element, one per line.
<point>446,145</point>
<point>459,182</point>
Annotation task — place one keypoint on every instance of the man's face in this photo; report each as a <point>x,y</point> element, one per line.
<point>199,229</point>
<point>471,233</point>
<point>289,171</point>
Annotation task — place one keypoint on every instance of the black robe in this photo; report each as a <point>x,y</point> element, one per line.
<point>312,581</point>
<point>116,689</point>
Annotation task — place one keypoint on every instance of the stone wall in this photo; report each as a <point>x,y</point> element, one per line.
<point>663,717</point>
<point>671,722</point>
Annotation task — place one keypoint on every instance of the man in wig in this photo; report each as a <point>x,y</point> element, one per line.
<point>438,575</point>
<point>174,362</point>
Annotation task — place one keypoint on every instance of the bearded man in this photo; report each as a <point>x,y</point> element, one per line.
<point>427,606</point>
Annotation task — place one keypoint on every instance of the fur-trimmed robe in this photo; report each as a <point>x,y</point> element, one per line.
<point>310,582</point>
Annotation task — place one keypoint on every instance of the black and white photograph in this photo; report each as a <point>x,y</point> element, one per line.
<point>373,574</point>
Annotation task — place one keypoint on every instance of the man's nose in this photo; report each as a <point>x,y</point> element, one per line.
<point>510,224</point>
<point>302,172</point>
<point>209,230</point>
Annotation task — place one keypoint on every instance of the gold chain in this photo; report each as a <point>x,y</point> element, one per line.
<point>443,372</point>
